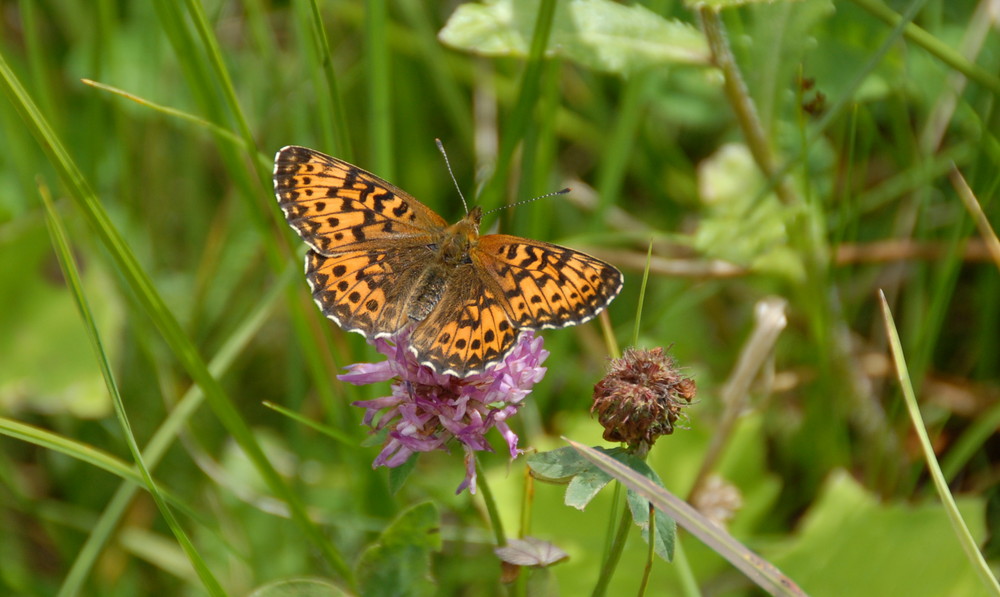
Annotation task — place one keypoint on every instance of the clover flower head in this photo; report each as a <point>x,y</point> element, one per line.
<point>641,397</point>
<point>426,410</point>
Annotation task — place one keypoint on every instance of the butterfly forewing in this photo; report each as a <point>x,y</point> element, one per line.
<point>335,206</point>
<point>545,285</point>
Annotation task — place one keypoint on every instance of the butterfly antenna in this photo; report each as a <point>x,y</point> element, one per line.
<point>553,193</point>
<point>448,164</point>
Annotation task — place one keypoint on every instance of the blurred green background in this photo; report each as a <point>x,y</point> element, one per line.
<point>185,260</point>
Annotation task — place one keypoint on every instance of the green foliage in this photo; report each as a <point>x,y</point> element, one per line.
<point>585,480</point>
<point>41,327</point>
<point>398,563</point>
<point>598,34</point>
<point>826,172</point>
<point>854,531</point>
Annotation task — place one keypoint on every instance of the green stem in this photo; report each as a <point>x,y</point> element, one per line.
<point>379,86</point>
<point>491,505</point>
<point>615,553</point>
<point>650,551</point>
<point>739,98</point>
<point>933,45</point>
<point>527,98</point>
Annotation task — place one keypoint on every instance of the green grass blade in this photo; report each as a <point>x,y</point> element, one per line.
<point>213,128</point>
<point>165,436</point>
<point>327,430</point>
<point>321,43</point>
<point>63,445</point>
<point>642,295</point>
<point>154,306</point>
<point>758,570</point>
<point>936,47</point>
<point>71,274</point>
<point>965,538</point>
<point>379,88</point>
<point>527,97</point>
<point>221,74</point>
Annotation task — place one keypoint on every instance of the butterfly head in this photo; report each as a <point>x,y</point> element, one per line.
<point>461,236</point>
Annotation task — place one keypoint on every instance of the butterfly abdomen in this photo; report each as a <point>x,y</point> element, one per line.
<point>427,292</point>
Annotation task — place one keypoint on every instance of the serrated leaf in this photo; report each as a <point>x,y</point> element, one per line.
<point>760,571</point>
<point>598,34</point>
<point>666,527</point>
<point>398,563</point>
<point>530,551</point>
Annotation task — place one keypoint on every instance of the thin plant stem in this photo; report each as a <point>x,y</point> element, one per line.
<point>614,554</point>
<point>650,552</point>
<point>739,99</point>
<point>642,294</point>
<point>491,506</point>
<point>527,500</point>
<point>936,47</point>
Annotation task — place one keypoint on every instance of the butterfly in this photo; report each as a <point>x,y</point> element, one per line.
<point>379,261</point>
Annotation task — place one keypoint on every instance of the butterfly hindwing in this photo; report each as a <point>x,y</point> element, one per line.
<point>468,330</point>
<point>366,291</point>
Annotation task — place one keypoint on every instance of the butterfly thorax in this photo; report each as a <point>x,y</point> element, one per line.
<point>456,240</point>
<point>451,251</point>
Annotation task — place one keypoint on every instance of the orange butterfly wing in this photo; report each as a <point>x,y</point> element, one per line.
<point>335,206</point>
<point>366,291</point>
<point>468,331</point>
<point>546,285</point>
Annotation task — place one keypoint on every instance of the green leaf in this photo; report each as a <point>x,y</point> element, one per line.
<point>530,551</point>
<point>48,364</point>
<point>857,531</point>
<point>557,466</point>
<point>585,486</point>
<point>738,229</point>
<point>399,563</point>
<point>761,572</point>
<point>398,475</point>
<point>299,587</point>
<point>720,4</point>
<point>598,34</point>
<point>666,528</point>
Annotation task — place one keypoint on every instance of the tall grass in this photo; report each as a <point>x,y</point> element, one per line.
<point>801,154</point>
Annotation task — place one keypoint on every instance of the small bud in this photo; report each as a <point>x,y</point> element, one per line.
<point>718,500</point>
<point>641,397</point>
